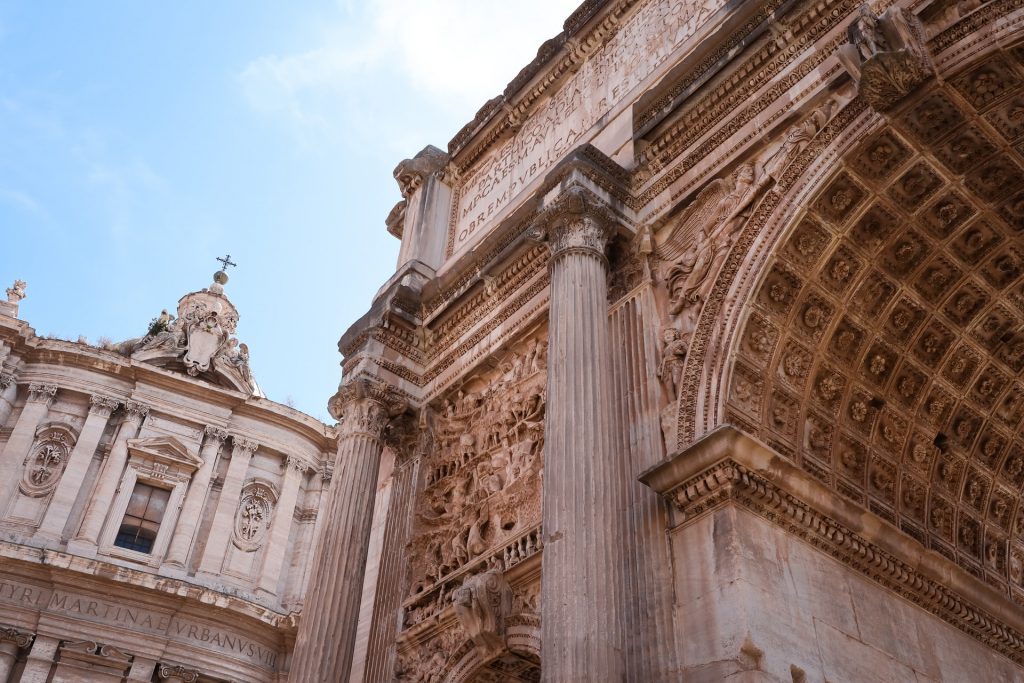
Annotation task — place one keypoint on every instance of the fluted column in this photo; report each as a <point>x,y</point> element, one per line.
<point>585,485</point>
<point>280,528</point>
<point>323,650</point>
<point>192,508</point>
<point>40,396</point>
<point>227,505</point>
<point>11,640</point>
<point>110,476</point>
<point>52,526</point>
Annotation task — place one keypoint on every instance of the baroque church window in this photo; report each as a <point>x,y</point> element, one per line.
<point>142,518</point>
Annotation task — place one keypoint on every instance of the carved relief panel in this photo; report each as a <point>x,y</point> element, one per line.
<point>254,515</point>
<point>46,461</point>
<point>478,511</point>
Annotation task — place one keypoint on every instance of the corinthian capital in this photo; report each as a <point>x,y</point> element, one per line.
<point>576,221</point>
<point>215,433</point>
<point>41,393</point>
<point>102,405</point>
<point>243,444</point>
<point>365,406</point>
<point>135,411</point>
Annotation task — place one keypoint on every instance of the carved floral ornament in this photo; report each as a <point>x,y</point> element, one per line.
<point>46,461</point>
<point>254,515</point>
<point>365,406</point>
<point>576,221</point>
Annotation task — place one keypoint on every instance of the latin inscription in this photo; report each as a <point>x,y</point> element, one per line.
<point>136,619</point>
<point>560,123</point>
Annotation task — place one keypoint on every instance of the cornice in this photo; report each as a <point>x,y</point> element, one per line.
<point>728,467</point>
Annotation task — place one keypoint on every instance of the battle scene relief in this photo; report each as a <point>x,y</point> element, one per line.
<point>477,515</point>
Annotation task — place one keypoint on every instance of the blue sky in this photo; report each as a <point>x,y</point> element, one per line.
<point>138,141</point>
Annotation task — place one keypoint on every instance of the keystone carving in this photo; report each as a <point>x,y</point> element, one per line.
<point>482,604</point>
<point>886,55</point>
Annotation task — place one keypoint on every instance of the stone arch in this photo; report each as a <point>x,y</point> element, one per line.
<point>522,663</point>
<point>869,322</point>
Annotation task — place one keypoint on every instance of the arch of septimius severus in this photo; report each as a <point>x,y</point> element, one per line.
<point>703,360</point>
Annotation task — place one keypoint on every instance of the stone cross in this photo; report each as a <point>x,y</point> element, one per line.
<point>226,261</point>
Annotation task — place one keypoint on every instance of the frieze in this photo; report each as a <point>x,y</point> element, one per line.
<point>560,122</point>
<point>107,612</point>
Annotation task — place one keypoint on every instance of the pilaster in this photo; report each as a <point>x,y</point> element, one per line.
<point>192,508</point>
<point>280,529</point>
<point>40,660</point>
<point>40,396</point>
<point>11,641</point>
<point>110,476</point>
<point>323,650</point>
<point>57,512</point>
<point>220,532</point>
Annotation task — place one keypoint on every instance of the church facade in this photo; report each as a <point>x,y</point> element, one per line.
<point>156,512</point>
<point>702,361</point>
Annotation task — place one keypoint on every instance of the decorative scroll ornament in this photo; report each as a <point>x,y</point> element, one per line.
<point>175,673</point>
<point>47,460</point>
<point>21,639</point>
<point>887,55</point>
<point>482,604</point>
<point>254,515</point>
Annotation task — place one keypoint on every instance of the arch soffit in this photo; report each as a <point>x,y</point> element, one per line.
<point>870,324</point>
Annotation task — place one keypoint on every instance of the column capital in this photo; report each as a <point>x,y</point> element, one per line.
<point>175,673</point>
<point>214,433</point>
<point>365,406</point>
<point>21,639</point>
<point>7,379</point>
<point>41,393</point>
<point>102,405</point>
<point>242,444</point>
<point>575,221</point>
<point>296,463</point>
<point>135,411</point>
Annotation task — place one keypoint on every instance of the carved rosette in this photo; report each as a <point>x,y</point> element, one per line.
<point>20,639</point>
<point>254,515</point>
<point>46,462</point>
<point>365,406</point>
<point>41,393</point>
<point>102,405</point>
<point>577,222</point>
<point>175,673</point>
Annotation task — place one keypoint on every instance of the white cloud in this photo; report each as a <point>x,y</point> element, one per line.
<point>456,53</point>
<point>21,200</point>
